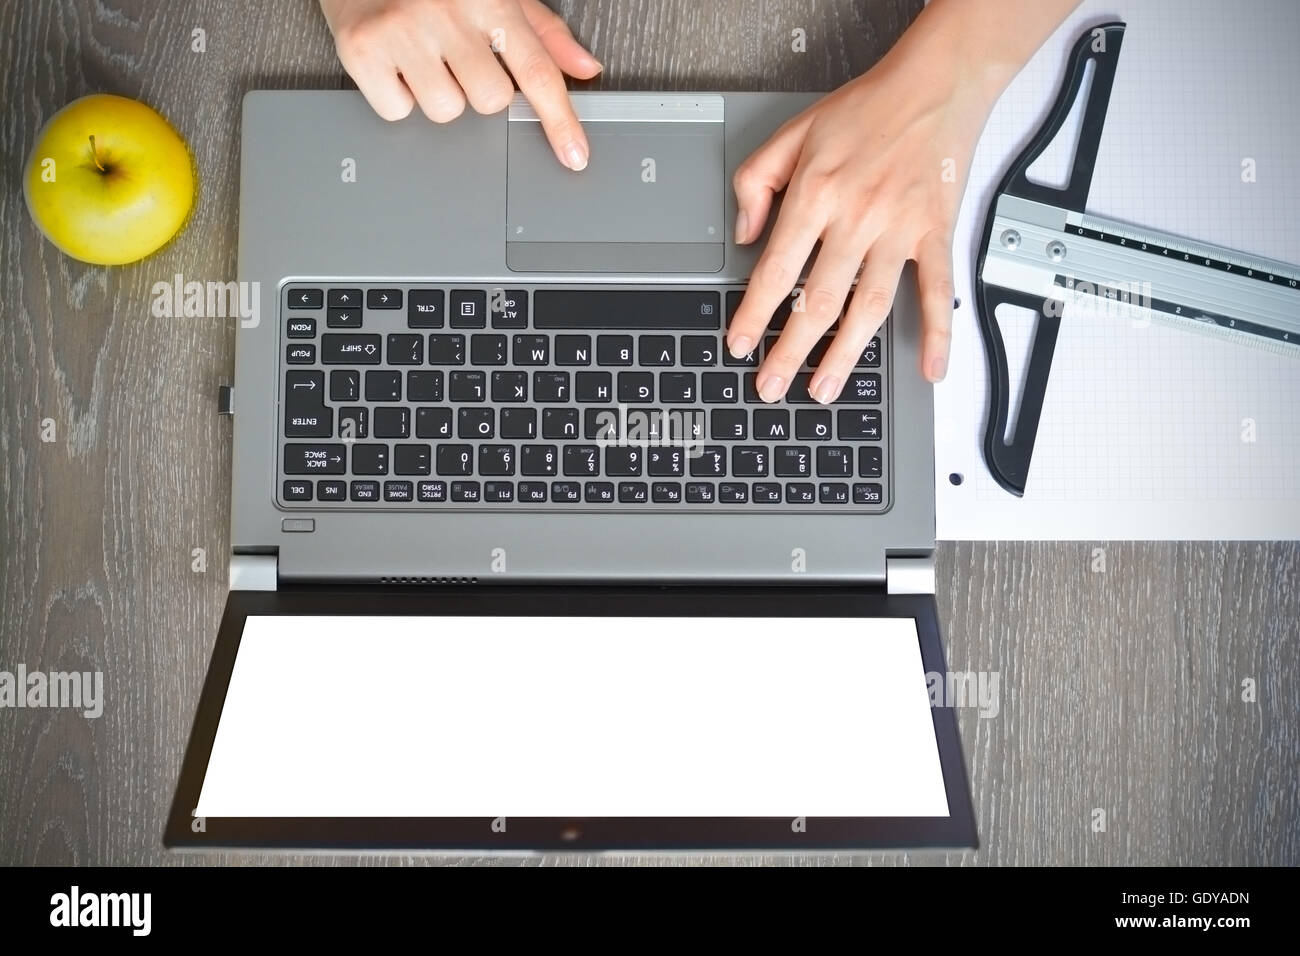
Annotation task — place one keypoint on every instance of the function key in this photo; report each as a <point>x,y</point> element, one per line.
<point>833,493</point>
<point>509,308</point>
<point>343,318</point>
<point>425,309</point>
<point>345,298</point>
<point>301,328</point>
<point>699,492</point>
<point>468,309</point>
<point>305,298</point>
<point>868,494</point>
<point>383,298</point>
<point>297,490</point>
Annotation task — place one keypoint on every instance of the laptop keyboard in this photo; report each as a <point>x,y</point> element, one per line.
<point>433,397</point>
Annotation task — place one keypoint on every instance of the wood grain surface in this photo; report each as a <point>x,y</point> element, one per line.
<point>1120,690</point>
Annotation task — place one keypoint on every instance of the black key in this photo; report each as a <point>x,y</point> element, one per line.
<point>573,350</point>
<point>833,493</point>
<point>467,386</point>
<point>797,394</point>
<point>749,461</point>
<point>468,309</point>
<point>633,492</point>
<point>677,387</point>
<point>657,350</point>
<point>349,349</point>
<point>623,461</point>
<point>383,298</point>
<point>519,423</point>
<point>858,424</point>
<point>550,386</point>
<point>300,328</point>
<point>315,459</point>
<point>733,493</point>
<point>508,308</point>
<point>812,424</point>
<point>354,422</point>
<point>412,460</point>
<point>729,424</point>
<point>559,423</point>
<point>406,349</point>
<point>593,387</point>
<point>699,350</point>
<point>870,462</point>
<point>870,357</point>
<point>666,462</point>
<point>496,459</point>
<point>343,318</point>
<point>581,460</point>
<point>365,491</point>
<point>767,493</point>
<point>383,386</point>
<point>613,350</point>
<point>393,422</point>
<point>532,350</point>
<point>446,349</point>
<point>687,425</point>
<point>488,350</point>
<point>431,490</point>
<point>331,490</point>
<point>792,461</point>
<point>868,493</point>
<point>749,360</point>
<point>399,491</point>
<point>567,492</point>
<point>423,386</point>
<point>532,492</point>
<point>475,422</point>
<point>433,423</point>
<point>345,298</point>
<point>465,491</point>
<point>510,387</point>
<point>539,460</point>
<point>297,490</point>
<point>300,298</point>
<point>711,462</point>
<point>303,353</point>
<point>499,491</point>
<point>636,387</point>
<point>771,424</point>
<point>720,387</point>
<point>700,492</point>
<point>369,459</point>
<point>860,388</point>
<point>305,412</point>
<point>800,493</point>
<point>424,309</point>
<point>598,492</point>
<point>834,461</point>
<point>345,385</point>
<point>455,460</point>
<point>666,492</point>
<point>656,309</point>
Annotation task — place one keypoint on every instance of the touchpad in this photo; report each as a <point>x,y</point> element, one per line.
<point>650,200</point>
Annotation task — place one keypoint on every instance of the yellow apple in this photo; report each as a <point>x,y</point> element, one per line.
<point>110,181</point>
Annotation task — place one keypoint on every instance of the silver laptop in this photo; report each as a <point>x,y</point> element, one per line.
<point>519,561</point>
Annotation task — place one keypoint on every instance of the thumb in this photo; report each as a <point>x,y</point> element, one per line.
<point>764,174</point>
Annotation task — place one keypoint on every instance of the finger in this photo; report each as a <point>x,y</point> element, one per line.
<point>934,277</point>
<point>872,300</point>
<point>764,174</point>
<point>486,86</point>
<point>569,55</point>
<point>439,95</point>
<point>823,297</point>
<point>541,81</point>
<point>379,83</point>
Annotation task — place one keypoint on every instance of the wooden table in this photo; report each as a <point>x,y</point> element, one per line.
<point>1120,690</point>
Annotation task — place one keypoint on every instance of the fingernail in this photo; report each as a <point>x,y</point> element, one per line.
<point>576,157</point>
<point>742,226</point>
<point>600,67</point>
<point>938,368</point>
<point>741,346</point>
<point>772,389</point>
<point>827,390</point>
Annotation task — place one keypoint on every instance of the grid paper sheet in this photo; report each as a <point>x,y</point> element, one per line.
<point>1147,433</point>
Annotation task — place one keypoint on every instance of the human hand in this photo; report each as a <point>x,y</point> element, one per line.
<point>440,53</point>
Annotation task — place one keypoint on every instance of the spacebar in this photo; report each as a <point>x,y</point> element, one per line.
<point>625,309</point>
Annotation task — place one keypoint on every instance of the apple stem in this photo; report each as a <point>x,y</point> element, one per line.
<point>94,154</point>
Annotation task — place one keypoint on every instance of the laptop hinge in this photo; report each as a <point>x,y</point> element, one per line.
<point>254,572</point>
<point>914,575</point>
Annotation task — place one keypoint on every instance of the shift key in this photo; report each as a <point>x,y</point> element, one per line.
<point>350,349</point>
<point>329,459</point>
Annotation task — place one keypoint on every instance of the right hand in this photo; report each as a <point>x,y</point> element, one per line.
<point>440,53</point>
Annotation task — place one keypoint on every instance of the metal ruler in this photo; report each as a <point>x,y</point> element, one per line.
<point>1041,250</point>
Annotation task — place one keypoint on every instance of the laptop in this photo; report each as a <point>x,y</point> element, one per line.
<point>519,562</point>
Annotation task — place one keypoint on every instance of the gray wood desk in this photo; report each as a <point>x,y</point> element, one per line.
<point>1120,691</point>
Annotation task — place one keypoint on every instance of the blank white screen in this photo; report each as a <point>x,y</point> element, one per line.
<point>575,717</point>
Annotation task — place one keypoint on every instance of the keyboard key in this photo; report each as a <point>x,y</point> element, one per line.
<point>345,385</point>
<point>771,424</point>
<point>614,350</point>
<point>331,491</point>
<point>833,493</point>
<point>488,350</point>
<point>559,423</point>
<point>383,386</point>
<point>711,462</point>
<point>623,461</point>
<point>297,490</point>
<point>868,494</point>
<point>566,492</point>
<point>475,422</point>
<point>354,422</point>
<point>345,298</point>
<point>699,350</point>
<point>499,491</point>
<point>834,461</point>
<point>600,424</point>
<point>423,386</point>
<point>729,424</point>
<point>749,360</point>
<point>452,460</point>
<point>573,350</point>
<point>676,387</point>
<point>858,424</point>
<point>315,459</point>
<point>800,493</point>
<point>305,412</point>
<point>539,460</point>
<point>350,349</point>
<point>301,354</point>
<point>625,309</point>
<point>581,460</point>
<point>343,318</point>
<point>792,461</point>
<point>633,492</point>
<point>749,461</point>
<point>870,462</point>
<point>431,490</point>
<point>383,298</point>
<point>369,459</point>
<point>467,386</point>
<point>510,387</point>
<point>300,328</point>
<point>508,308</point>
<point>700,492</point>
<point>636,387</point>
<point>657,350</point>
<point>598,492</point>
<point>465,491</point>
<point>398,491</point>
<point>733,493</point>
<point>812,424</point>
<point>860,387</point>
<point>531,350</point>
<point>365,491</point>
<point>870,357</point>
<point>393,422</point>
<point>519,423</point>
<point>666,462</point>
<point>496,459</point>
<point>424,309</point>
<point>412,460</point>
<point>550,387</point>
<point>593,386</point>
<point>666,492</point>
<point>446,349</point>
<point>406,349</point>
<point>300,298</point>
<point>720,387</point>
<point>433,423</point>
<point>532,492</point>
<point>767,493</point>
<point>468,309</point>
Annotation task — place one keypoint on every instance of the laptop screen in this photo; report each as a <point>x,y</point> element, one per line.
<point>481,716</point>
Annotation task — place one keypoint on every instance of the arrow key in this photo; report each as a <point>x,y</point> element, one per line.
<point>384,299</point>
<point>345,298</point>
